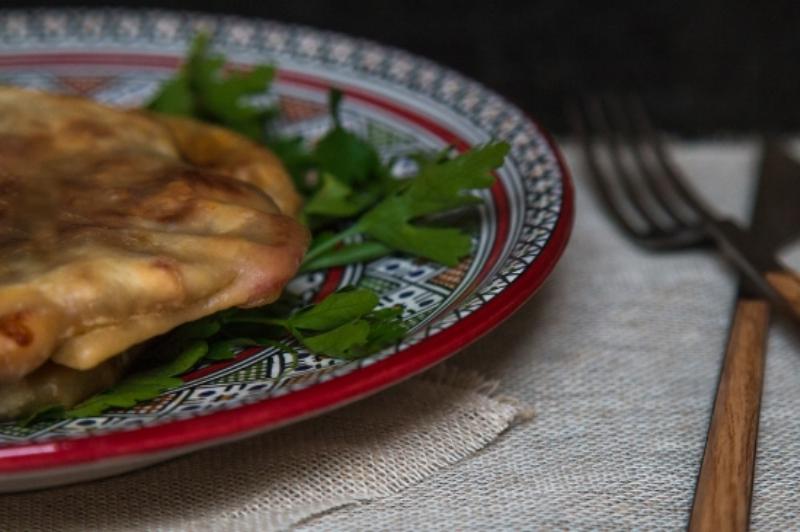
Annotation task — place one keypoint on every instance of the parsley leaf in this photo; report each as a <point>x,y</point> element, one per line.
<point>440,186</point>
<point>352,327</point>
<point>142,386</point>
<point>296,158</point>
<point>335,199</point>
<point>227,349</point>
<point>390,225</point>
<point>386,328</point>
<point>343,153</point>
<point>339,342</point>
<point>174,98</point>
<point>344,325</point>
<point>201,90</point>
<point>336,309</point>
<point>352,177</point>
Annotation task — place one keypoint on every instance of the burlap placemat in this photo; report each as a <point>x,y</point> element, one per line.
<point>371,449</point>
<point>619,354</point>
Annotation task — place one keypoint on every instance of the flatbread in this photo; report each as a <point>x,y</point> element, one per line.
<point>117,226</point>
<point>54,384</point>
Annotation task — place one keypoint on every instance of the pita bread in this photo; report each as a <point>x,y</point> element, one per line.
<point>117,226</point>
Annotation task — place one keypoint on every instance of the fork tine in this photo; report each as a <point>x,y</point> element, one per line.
<point>643,124</point>
<point>656,183</point>
<point>628,204</point>
<point>599,178</point>
<point>599,117</point>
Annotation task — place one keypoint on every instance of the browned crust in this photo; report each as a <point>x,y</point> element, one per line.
<point>116,226</point>
<point>13,326</point>
<point>224,151</point>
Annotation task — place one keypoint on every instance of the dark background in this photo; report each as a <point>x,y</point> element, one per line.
<point>704,67</point>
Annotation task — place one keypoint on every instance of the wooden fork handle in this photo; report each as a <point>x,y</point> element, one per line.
<point>724,487</point>
<point>787,284</point>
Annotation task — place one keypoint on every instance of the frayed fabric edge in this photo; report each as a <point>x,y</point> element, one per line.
<point>471,380</point>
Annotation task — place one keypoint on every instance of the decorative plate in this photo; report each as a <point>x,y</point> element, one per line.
<point>402,103</point>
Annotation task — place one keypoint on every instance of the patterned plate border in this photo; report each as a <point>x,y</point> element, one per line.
<point>225,425</point>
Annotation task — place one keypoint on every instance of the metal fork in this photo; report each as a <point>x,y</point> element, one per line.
<point>650,200</point>
<point>647,195</point>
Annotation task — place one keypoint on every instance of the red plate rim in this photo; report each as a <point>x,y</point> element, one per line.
<point>206,430</point>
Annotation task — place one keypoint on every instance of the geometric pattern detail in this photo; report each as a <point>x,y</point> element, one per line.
<point>530,176</point>
<point>452,277</point>
<point>297,110</point>
<point>385,137</point>
<point>85,86</point>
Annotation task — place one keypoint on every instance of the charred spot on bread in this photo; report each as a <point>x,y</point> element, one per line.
<point>13,326</point>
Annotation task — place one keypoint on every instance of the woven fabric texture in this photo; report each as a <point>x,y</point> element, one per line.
<point>371,449</point>
<point>619,354</point>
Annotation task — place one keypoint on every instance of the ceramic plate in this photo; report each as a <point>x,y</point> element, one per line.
<point>402,104</point>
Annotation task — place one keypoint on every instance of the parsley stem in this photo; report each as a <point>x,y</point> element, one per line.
<point>347,254</point>
<point>330,243</point>
<point>257,319</point>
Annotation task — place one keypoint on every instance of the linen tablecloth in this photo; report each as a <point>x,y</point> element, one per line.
<point>618,355</point>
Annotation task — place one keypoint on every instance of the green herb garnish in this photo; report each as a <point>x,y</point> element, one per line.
<point>353,186</point>
<point>439,187</point>
<point>204,91</point>
<point>343,154</point>
<point>344,325</point>
<point>358,212</point>
<point>143,386</point>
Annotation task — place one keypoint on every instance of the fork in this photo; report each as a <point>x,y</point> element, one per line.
<point>649,199</point>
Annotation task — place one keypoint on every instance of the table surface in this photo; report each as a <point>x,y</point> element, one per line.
<point>619,355</point>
